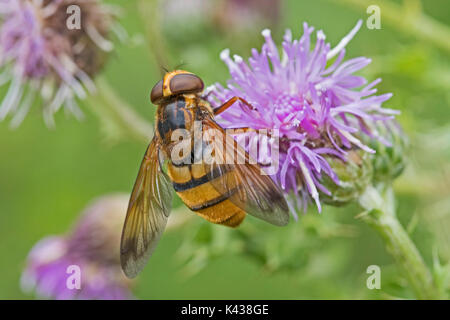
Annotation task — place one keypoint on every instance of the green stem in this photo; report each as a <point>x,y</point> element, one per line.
<point>409,19</point>
<point>118,118</point>
<point>380,215</point>
<point>150,14</point>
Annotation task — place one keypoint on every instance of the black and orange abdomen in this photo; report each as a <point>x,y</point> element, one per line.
<point>190,181</point>
<point>193,186</point>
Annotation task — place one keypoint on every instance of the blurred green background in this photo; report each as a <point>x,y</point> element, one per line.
<point>49,175</point>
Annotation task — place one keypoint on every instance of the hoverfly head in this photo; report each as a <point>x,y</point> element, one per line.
<point>175,83</point>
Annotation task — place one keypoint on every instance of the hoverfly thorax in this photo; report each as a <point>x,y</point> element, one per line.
<point>178,96</point>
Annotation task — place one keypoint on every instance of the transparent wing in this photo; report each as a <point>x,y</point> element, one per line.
<point>234,173</point>
<point>148,211</point>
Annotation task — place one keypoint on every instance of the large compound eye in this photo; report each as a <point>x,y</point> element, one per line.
<point>186,83</point>
<point>157,92</point>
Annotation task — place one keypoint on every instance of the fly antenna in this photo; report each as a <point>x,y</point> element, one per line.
<point>182,64</point>
<point>163,70</point>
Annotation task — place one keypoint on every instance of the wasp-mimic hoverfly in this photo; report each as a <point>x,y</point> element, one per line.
<point>219,192</point>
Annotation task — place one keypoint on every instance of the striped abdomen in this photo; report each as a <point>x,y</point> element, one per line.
<point>193,186</point>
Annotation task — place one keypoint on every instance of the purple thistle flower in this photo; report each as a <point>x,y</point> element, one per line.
<point>40,55</point>
<point>320,107</point>
<point>93,246</point>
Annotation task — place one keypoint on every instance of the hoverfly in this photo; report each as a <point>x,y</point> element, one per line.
<point>221,193</point>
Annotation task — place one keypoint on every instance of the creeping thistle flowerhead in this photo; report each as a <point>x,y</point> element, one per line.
<point>51,49</point>
<point>90,251</point>
<point>321,109</point>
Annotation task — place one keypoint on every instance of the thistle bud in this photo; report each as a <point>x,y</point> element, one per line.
<point>354,174</point>
<point>389,161</point>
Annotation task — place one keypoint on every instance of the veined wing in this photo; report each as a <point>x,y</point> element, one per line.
<point>233,173</point>
<point>147,214</point>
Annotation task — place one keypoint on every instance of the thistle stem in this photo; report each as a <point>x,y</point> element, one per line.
<point>380,215</point>
<point>119,118</point>
<point>150,14</point>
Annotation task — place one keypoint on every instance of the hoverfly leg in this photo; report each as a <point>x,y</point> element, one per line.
<point>229,103</point>
<point>242,130</point>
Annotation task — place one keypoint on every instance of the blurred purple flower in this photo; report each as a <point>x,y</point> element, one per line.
<point>40,55</point>
<point>316,106</point>
<point>93,246</point>
<point>226,15</point>
<point>241,15</point>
